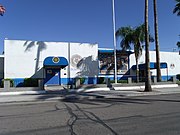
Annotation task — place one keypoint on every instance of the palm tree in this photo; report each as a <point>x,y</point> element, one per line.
<point>177,8</point>
<point>157,41</point>
<point>132,36</point>
<point>178,44</point>
<point>147,77</point>
<point>126,34</point>
<point>2,10</point>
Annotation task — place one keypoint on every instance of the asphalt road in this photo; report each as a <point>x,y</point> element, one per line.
<point>145,115</point>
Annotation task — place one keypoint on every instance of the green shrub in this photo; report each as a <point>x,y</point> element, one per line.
<point>122,81</point>
<point>178,76</point>
<point>30,82</point>
<point>119,81</point>
<point>178,82</point>
<point>101,80</point>
<point>112,81</point>
<point>82,80</point>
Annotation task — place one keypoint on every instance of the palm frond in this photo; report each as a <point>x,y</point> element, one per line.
<point>126,37</point>
<point>178,44</point>
<point>177,8</point>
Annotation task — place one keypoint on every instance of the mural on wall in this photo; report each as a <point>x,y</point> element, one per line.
<point>75,60</point>
<point>107,63</point>
<point>83,60</point>
<point>84,66</point>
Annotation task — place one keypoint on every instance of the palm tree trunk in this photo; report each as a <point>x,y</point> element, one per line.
<point>137,71</point>
<point>148,76</point>
<point>157,42</point>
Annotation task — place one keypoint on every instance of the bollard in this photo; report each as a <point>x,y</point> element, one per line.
<point>41,84</point>
<point>6,85</point>
<point>77,82</point>
<point>155,79</point>
<point>174,79</point>
<point>129,80</point>
<point>108,83</point>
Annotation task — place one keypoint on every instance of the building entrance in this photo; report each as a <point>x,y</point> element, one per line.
<point>52,76</point>
<point>53,66</point>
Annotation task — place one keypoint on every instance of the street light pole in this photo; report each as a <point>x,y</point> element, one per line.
<point>114,33</point>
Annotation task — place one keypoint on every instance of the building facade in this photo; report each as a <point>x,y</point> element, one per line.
<point>60,63</point>
<point>169,63</point>
<point>44,60</point>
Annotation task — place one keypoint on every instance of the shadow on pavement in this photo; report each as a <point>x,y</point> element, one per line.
<point>98,97</point>
<point>92,99</point>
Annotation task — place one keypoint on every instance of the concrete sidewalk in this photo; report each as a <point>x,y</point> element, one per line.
<point>126,90</point>
<point>132,90</point>
<point>15,95</point>
<point>21,91</point>
<point>125,87</point>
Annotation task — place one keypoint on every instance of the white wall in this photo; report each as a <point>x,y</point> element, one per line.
<point>86,56</point>
<point>169,57</point>
<point>20,59</point>
<point>24,59</point>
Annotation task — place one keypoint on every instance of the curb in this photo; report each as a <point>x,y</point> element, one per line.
<point>165,86</point>
<point>142,87</point>
<point>22,93</point>
<point>92,90</point>
<point>128,88</point>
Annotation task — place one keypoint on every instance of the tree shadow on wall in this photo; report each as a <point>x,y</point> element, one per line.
<point>88,68</point>
<point>41,46</point>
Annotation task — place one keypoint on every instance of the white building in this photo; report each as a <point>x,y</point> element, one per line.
<point>170,64</point>
<point>59,63</point>
<point>55,62</point>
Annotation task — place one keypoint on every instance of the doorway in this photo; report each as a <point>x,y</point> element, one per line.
<point>52,76</point>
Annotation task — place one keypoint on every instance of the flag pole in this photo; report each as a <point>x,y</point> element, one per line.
<point>114,35</point>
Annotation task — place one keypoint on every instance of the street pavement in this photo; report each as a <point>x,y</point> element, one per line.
<point>144,115</point>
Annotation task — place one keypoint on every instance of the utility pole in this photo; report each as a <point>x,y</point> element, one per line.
<point>114,33</point>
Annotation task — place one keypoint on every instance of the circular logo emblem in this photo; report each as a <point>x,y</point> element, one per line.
<point>55,59</point>
<point>172,66</point>
<point>75,60</point>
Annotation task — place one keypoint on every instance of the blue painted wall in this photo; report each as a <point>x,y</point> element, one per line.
<point>18,82</point>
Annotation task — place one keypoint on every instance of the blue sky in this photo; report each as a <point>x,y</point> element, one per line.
<point>84,21</point>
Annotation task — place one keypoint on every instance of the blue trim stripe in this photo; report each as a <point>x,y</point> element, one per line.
<point>152,66</point>
<point>106,51</point>
<point>88,80</point>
